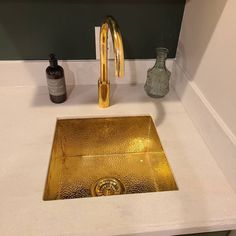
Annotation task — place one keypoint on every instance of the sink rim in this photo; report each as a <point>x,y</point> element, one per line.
<point>103,118</point>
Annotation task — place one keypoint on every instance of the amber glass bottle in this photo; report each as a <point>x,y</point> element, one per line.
<point>56,81</point>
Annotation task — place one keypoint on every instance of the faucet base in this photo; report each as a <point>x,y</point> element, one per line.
<point>103,94</point>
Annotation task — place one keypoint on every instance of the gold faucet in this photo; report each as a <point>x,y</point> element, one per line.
<point>103,82</point>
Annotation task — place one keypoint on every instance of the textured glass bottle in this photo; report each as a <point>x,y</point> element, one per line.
<point>157,83</point>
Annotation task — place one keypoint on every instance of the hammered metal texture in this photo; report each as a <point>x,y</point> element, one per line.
<point>127,149</point>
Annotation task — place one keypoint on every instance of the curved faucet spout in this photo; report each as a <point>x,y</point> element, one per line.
<point>103,83</point>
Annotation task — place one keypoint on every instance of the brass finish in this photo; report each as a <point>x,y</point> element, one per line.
<point>106,156</point>
<point>103,82</point>
<point>107,187</point>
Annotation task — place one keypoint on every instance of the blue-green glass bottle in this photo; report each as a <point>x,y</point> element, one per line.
<point>157,83</point>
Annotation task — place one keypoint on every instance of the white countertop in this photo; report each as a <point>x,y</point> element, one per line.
<point>204,201</point>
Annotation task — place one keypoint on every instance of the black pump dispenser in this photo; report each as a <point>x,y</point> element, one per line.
<point>56,80</point>
<point>53,60</point>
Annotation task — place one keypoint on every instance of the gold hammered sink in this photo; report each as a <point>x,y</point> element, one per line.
<point>106,156</point>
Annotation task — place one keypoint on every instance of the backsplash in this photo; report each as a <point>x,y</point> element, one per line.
<point>30,30</point>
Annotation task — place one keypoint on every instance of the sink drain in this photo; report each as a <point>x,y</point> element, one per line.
<point>107,187</point>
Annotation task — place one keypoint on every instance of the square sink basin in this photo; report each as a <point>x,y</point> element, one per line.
<point>106,156</point>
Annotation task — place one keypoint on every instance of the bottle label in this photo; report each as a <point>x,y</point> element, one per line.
<point>56,87</point>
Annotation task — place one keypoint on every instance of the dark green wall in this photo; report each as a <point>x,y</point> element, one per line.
<point>31,29</point>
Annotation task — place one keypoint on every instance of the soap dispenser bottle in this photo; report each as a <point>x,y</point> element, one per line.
<point>56,81</point>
